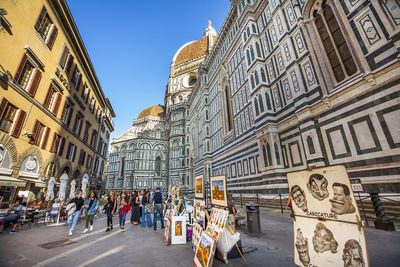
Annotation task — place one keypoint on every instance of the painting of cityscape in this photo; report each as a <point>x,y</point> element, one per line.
<point>218,191</point>
<point>205,250</point>
<point>199,187</point>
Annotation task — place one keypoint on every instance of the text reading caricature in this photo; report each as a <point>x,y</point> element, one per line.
<point>317,185</point>
<point>341,201</point>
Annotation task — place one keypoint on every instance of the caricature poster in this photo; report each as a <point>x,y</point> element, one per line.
<point>324,192</point>
<point>326,223</point>
<point>329,243</point>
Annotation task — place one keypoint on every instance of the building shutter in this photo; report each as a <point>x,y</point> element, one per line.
<point>53,37</point>
<point>3,106</point>
<point>48,98</point>
<point>73,157</point>
<point>54,144</point>
<point>40,18</point>
<point>68,151</point>
<point>57,104</point>
<point>35,129</point>
<point>20,68</point>
<point>35,83</point>
<point>46,138</point>
<point>72,71</point>
<point>64,57</point>
<point>62,144</point>
<point>70,61</point>
<point>18,126</point>
<point>70,117</point>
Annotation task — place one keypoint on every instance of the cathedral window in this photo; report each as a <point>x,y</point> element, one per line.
<point>278,158</point>
<point>265,156</point>
<point>252,82</point>
<point>228,109</point>
<point>258,50</point>
<point>252,52</point>
<point>269,155</point>
<point>248,57</point>
<point>122,166</point>
<point>158,166</point>
<point>256,77</point>
<point>339,56</point>
<point>256,107</point>
<point>260,100</point>
<point>253,26</point>
<point>263,78</point>
<point>268,101</point>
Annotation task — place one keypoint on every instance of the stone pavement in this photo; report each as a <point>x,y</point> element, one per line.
<point>145,247</point>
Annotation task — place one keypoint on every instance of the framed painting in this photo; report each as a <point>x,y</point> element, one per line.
<point>216,224</point>
<point>199,211</point>
<point>199,187</point>
<point>197,230</point>
<point>323,193</point>
<point>205,251</point>
<point>218,191</point>
<point>178,230</point>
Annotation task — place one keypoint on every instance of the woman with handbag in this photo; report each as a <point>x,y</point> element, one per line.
<point>146,210</point>
<point>110,208</point>
<point>124,207</point>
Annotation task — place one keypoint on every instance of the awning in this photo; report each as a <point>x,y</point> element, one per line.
<point>38,183</point>
<point>10,181</point>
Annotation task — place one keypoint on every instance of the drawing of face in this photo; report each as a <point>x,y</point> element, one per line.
<point>341,202</point>
<point>317,185</point>
<point>302,248</point>
<point>299,197</point>
<point>352,254</point>
<point>323,239</point>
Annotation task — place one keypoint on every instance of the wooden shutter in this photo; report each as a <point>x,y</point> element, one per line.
<point>35,129</point>
<point>48,98</point>
<point>53,37</point>
<point>70,116</point>
<point>18,126</point>
<point>3,106</point>
<point>71,72</point>
<point>57,104</point>
<point>54,144</point>
<point>46,137</point>
<point>20,67</point>
<point>40,18</point>
<point>62,144</point>
<point>73,157</point>
<point>35,83</point>
<point>70,62</point>
<point>68,151</point>
<point>64,57</point>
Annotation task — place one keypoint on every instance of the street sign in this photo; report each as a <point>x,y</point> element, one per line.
<point>356,185</point>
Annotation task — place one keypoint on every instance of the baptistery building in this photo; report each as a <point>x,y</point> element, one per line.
<point>285,85</point>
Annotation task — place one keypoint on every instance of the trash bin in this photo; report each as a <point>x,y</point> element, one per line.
<point>253,219</point>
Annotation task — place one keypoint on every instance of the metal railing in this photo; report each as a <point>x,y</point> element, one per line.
<point>266,202</point>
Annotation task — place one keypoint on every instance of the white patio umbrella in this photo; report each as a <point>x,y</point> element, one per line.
<point>85,181</point>
<point>63,186</point>
<point>50,189</point>
<point>72,192</point>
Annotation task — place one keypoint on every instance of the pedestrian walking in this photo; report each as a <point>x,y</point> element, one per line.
<point>157,204</point>
<point>90,208</point>
<point>135,218</point>
<point>140,204</point>
<point>73,217</point>
<point>123,209</point>
<point>110,208</point>
<point>146,217</point>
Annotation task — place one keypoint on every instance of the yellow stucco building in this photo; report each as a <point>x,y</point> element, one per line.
<point>53,112</point>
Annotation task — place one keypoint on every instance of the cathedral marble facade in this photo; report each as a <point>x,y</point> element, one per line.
<point>288,85</point>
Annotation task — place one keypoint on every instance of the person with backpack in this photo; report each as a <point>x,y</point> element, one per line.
<point>157,202</point>
<point>110,209</point>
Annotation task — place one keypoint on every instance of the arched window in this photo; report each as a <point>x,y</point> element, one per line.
<point>206,114</point>
<point>263,78</point>
<point>261,103</point>
<point>244,36</point>
<point>268,101</point>
<point>158,166</point>
<point>258,50</point>
<point>278,158</point>
<point>208,130</point>
<point>228,108</point>
<point>122,166</point>
<point>254,28</point>
<point>248,57</point>
<point>248,32</point>
<point>252,82</point>
<point>252,52</point>
<point>256,106</point>
<point>256,77</point>
<point>337,51</point>
<point>269,155</point>
<point>208,146</point>
<point>310,145</point>
<point>265,156</point>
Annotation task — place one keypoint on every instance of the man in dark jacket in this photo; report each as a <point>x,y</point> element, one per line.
<point>157,203</point>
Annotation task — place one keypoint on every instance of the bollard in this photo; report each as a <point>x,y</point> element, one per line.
<point>381,222</point>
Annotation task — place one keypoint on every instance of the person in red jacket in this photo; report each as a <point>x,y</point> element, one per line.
<point>123,209</point>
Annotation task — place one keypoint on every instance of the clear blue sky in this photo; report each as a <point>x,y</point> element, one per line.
<point>132,43</point>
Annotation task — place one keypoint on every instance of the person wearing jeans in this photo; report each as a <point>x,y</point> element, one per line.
<point>78,201</point>
<point>158,202</point>
<point>90,207</point>
<point>123,209</point>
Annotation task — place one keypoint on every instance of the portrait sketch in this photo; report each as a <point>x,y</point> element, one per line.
<point>352,254</point>
<point>317,185</point>
<point>302,248</point>
<point>323,239</point>
<point>298,197</point>
<point>341,201</point>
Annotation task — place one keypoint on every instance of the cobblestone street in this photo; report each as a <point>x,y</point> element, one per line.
<point>144,247</point>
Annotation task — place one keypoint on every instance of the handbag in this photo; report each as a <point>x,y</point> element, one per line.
<point>147,208</point>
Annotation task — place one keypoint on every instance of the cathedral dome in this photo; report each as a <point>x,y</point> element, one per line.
<point>155,111</point>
